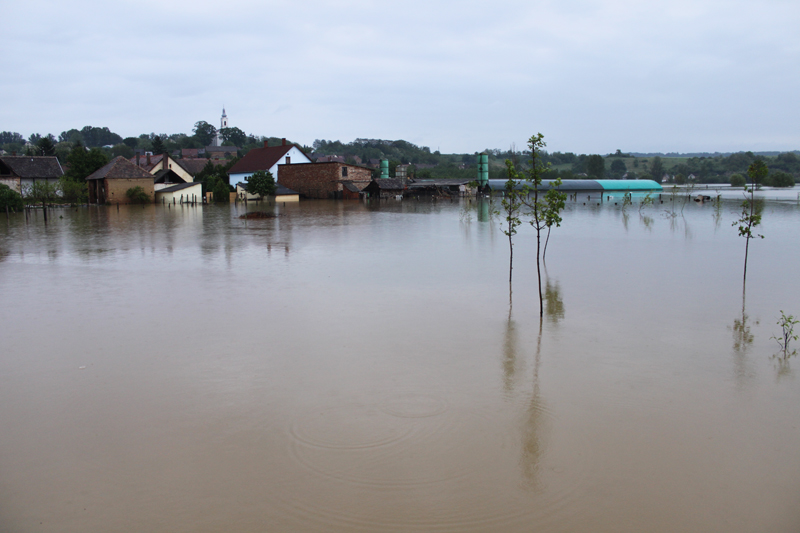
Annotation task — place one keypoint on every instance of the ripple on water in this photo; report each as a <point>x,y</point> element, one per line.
<point>418,462</point>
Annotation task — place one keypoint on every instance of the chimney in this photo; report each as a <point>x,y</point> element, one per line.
<point>283,142</point>
<point>137,160</point>
<point>266,145</point>
<point>148,159</point>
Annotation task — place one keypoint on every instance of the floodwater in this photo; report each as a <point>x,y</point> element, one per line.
<point>359,367</point>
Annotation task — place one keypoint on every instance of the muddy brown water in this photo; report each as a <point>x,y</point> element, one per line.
<point>357,367</point>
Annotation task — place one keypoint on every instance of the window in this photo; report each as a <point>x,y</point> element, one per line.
<point>288,160</point>
<point>344,172</point>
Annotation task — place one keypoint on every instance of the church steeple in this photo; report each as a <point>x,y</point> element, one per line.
<point>224,120</point>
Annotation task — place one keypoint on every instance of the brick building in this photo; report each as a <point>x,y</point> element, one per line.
<point>110,183</point>
<point>324,180</point>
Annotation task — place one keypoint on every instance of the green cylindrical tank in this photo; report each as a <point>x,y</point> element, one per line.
<point>384,168</point>
<point>483,169</point>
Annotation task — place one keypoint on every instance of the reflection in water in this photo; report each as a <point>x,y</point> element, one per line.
<point>554,304</point>
<point>742,341</point>
<point>717,212</point>
<point>532,445</point>
<point>509,348</point>
<point>647,221</point>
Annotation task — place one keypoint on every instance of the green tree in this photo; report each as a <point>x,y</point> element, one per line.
<point>73,191</point>
<point>261,183</point>
<point>657,169</point>
<point>46,145</point>
<point>512,204</point>
<point>233,137</point>
<point>221,190</point>
<point>122,149</point>
<point>555,201</point>
<point>750,217</point>
<point>131,142</point>
<point>544,212</point>
<point>158,145</point>
<point>737,180</point>
<point>782,179</point>
<point>618,168</point>
<point>82,162</point>
<point>204,132</point>
<point>596,166</point>
<point>10,200</point>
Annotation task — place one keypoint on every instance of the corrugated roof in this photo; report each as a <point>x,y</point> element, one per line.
<point>260,159</point>
<point>34,166</point>
<point>120,168</point>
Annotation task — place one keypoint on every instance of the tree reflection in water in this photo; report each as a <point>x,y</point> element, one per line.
<point>532,427</point>
<point>554,303</point>
<point>742,341</point>
<point>509,348</point>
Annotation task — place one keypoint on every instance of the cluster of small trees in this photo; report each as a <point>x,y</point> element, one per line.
<point>522,198</point>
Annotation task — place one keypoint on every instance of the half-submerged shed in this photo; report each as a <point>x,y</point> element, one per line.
<point>109,183</point>
<point>386,188</point>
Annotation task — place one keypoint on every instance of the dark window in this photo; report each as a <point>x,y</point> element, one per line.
<point>344,172</point>
<point>288,160</point>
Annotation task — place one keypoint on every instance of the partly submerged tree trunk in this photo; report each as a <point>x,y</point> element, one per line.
<point>539,271</point>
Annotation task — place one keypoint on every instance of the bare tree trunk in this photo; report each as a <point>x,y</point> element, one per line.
<point>544,254</point>
<point>510,258</point>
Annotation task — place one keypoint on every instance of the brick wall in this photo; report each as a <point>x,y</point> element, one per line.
<point>322,180</point>
<point>116,189</point>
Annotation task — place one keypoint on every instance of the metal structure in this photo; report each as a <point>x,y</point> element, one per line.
<point>483,169</point>
<point>384,169</point>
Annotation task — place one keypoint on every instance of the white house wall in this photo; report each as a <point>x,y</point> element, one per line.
<point>295,155</point>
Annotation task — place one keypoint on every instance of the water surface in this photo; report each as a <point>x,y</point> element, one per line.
<point>358,367</point>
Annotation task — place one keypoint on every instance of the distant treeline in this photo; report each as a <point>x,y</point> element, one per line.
<point>424,163</point>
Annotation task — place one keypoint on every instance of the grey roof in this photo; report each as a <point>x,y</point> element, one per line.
<point>350,186</point>
<point>179,186</point>
<point>34,166</point>
<point>226,149</point>
<point>120,168</point>
<point>436,183</point>
<point>282,191</point>
<point>389,183</point>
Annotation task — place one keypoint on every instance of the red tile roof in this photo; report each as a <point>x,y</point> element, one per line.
<point>260,159</point>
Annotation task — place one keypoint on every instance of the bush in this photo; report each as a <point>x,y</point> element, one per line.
<point>782,179</point>
<point>10,199</point>
<point>137,195</point>
<point>74,192</point>
<point>737,180</point>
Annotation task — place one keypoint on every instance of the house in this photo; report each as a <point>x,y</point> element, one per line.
<point>110,183</point>
<point>222,152</point>
<point>267,158</point>
<point>385,188</point>
<point>156,163</point>
<point>181,193</point>
<point>20,172</point>
<point>324,180</point>
<point>189,152</point>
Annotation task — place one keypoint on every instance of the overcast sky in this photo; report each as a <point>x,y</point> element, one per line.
<point>592,76</point>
